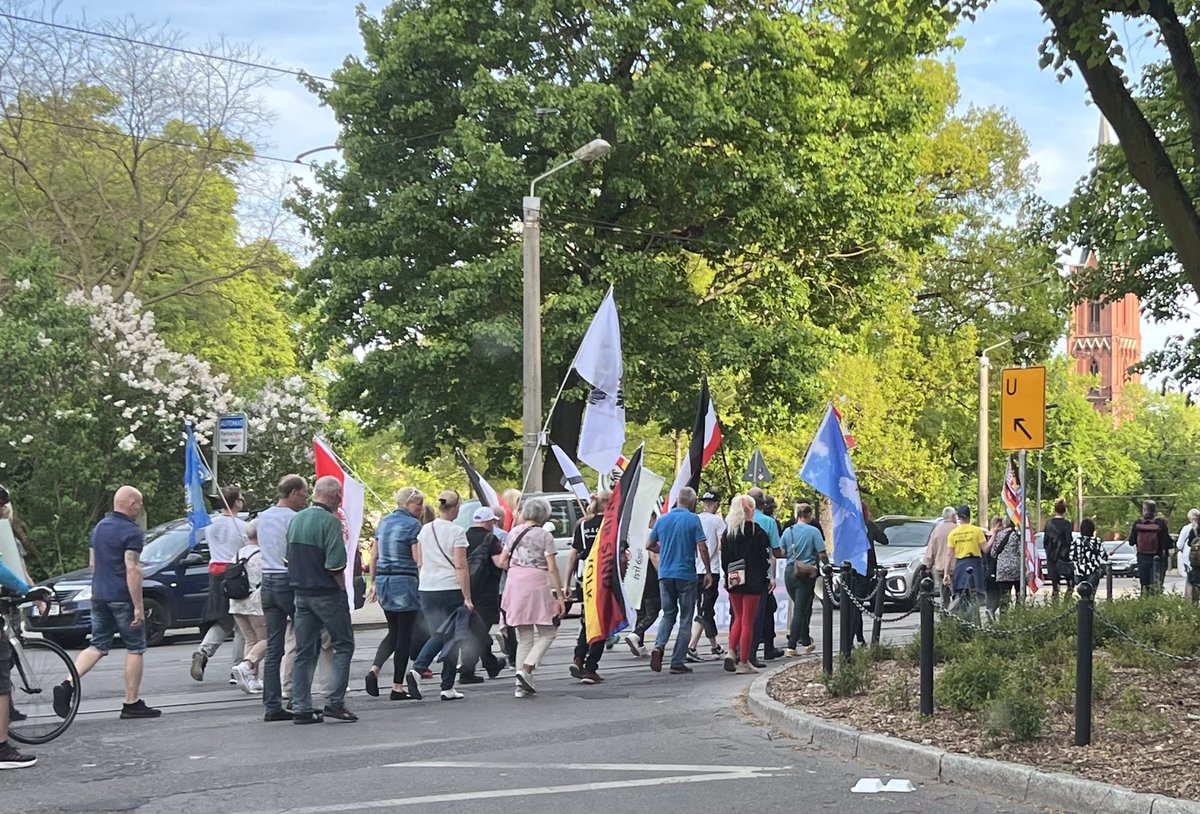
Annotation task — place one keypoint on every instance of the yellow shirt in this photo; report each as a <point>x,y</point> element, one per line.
<point>965,541</point>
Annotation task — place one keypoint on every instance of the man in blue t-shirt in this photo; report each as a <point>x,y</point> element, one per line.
<point>674,542</point>
<point>116,602</point>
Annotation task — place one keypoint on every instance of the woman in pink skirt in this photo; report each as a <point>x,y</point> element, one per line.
<point>531,602</point>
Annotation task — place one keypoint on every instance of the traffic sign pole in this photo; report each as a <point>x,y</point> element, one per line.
<point>216,451</point>
<point>1024,526</point>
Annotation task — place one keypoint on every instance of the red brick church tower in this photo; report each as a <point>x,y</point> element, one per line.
<point>1105,339</point>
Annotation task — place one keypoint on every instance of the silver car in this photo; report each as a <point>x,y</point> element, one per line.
<point>904,556</point>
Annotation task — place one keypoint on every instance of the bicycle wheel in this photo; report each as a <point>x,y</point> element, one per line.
<point>37,667</point>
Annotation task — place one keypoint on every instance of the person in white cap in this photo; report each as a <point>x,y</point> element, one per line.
<point>483,558</point>
<point>706,607</point>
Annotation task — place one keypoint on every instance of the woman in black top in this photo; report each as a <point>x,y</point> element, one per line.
<point>745,559</point>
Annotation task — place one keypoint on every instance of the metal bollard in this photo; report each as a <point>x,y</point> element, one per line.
<point>881,587</point>
<point>1108,577</point>
<point>926,600</point>
<point>846,615</point>
<point>827,621</point>
<point>1086,612</point>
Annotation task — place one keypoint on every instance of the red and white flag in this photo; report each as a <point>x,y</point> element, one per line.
<point>351,510</point>
<point>706,438</point>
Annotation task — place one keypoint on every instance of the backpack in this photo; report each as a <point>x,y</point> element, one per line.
<point>236,583</point>
<point>1146,534</point>
<point>1193,549</point>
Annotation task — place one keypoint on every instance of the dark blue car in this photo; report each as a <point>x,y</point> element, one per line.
<point>174,590</point>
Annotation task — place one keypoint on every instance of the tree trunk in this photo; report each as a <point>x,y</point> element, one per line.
<point>1148,161</point>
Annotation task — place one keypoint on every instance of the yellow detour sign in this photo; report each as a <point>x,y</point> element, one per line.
<point>1023,408</point>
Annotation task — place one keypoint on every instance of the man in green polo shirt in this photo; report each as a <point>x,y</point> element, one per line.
<point>316,553</point>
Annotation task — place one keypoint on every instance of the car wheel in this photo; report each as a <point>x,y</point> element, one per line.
<point>158,619</point>
<point>67,641</point>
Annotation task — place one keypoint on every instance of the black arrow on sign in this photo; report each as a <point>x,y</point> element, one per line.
<point>1019,424</point>
<point>235,446</point>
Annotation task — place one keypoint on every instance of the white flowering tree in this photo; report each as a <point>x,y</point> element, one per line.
<point>92,397</point>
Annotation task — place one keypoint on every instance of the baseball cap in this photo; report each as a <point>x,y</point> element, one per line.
<point>964,511</point>
<point>484,514</point>
<point>710,496</point>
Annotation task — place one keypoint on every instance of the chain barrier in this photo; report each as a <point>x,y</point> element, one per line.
<point>1145,648</point>
<point>868,613</point>
<point>1007,632</point>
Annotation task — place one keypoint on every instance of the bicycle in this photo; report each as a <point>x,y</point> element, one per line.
<point>38,666</point>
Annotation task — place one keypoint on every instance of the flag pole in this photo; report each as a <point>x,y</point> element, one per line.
<point>728,475</point>
<point>350,470</point>
<point>216,486</point>
<point>546,426</point>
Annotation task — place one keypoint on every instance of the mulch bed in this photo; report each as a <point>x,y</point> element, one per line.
<point>1152,749</point>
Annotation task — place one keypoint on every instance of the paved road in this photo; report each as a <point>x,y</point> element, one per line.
<point>641,741</point>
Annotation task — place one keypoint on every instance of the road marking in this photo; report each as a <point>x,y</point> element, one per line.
<point>584,767</point>
<point>706,775</point>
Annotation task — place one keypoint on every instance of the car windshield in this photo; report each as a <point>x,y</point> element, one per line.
<point>906,533</point>
<point>164,544</point>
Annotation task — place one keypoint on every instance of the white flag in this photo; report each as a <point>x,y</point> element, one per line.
<point>599,356</point>
<point>572,479</point>
<point>599,363</point>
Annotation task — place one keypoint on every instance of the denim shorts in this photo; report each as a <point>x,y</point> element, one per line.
<point>6,662</point>
<point>111,618</point>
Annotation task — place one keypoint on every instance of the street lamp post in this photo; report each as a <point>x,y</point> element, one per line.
<point>984,366</point>
<point>531,402</point>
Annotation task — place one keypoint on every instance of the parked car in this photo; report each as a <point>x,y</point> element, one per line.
<point>1123,556</point>
<point>174,590</point>
<point>565,514</point>
<point>904,556</point>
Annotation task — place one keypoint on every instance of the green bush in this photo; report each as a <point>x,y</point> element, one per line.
<point>1165,622</point>
<point>881,651</point>
<point>851,676</point>
<point>1015,714</point>
<point>970,680</point>
<point>899,693</point>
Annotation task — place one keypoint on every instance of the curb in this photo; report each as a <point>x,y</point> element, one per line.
<point>1015,781</point>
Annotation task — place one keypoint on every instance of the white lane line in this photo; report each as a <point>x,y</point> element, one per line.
<point>492,794</point>
<point>583,767</point>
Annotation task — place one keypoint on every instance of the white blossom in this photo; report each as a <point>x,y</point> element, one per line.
<point>127,443</point>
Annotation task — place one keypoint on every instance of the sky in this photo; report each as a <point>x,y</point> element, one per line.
<point>997,67</point>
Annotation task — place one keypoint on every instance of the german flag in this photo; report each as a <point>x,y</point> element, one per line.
<point>603,599</point>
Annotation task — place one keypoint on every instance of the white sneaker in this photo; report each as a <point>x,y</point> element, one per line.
<point>638,649</point>
<point>233,675</point>
<point>520,693</point>
<point>791,653</point>
<point>452,695</point>
<point>242,676</point>
<point>256,686</point>
<point>525,682</point>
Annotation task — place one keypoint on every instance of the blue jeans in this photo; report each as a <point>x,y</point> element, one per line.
<point>678,598</point>
<point>279,605</point>
<point>111,618</point>
<point>438,606</point>
<point>312,613</point>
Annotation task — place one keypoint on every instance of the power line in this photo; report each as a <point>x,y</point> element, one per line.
<point>301,74</point>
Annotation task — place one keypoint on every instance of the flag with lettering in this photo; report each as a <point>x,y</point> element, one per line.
<point>603,598</point>
<point>194,475</point>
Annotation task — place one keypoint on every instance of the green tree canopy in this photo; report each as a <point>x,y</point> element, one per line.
<point>764,197</point>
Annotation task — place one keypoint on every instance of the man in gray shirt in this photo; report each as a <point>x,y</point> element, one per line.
<point>278,599</point>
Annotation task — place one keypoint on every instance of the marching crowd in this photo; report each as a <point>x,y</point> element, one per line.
<point>278,581</point>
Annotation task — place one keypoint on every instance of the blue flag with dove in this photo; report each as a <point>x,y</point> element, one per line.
<point>827,468</point>
<point>194,475</point>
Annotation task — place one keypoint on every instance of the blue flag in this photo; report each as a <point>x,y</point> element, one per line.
<point>827,469</point>
<point>194,475</point>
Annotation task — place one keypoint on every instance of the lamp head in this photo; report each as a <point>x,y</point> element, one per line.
<point>596,148</point>
<point>1020,337</point>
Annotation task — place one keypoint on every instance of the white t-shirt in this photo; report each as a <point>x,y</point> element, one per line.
<point>714,527</point>
<point>224,537</point>
<point>438,541</point>
<point>272,538</point>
